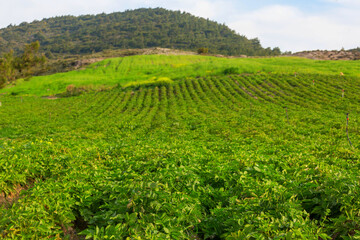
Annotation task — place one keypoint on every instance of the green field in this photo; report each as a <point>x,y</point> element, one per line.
<point>209,156</point>
<point>119,71</point>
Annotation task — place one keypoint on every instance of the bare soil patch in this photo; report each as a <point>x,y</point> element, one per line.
<point>50,97</point>
<point>8,199</point>
<point>248,93</point>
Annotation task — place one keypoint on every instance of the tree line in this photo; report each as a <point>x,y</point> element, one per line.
<point>22,65</point>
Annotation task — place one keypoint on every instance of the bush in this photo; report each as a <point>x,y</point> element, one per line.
<point>72,90</point>
<point>231,70</point>
<point>203,50</point>
<point>153,82</point>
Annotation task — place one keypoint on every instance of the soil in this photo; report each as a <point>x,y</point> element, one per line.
<point>7,200</point>
<point>249,93</point>
<point>50,97</point>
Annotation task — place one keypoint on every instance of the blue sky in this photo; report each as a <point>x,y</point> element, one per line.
<point>292,25</point>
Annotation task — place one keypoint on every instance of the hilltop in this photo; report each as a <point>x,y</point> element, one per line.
<point>141,28</point>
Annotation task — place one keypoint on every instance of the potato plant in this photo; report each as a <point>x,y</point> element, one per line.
<point>211,157</point>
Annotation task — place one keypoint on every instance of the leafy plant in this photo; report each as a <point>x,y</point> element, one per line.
<point>210,157</point>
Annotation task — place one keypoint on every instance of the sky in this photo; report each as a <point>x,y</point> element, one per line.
<point>292,25</point>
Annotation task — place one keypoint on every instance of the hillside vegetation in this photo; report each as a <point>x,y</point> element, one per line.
<point>141,28</point>
<point>120,71</point>
<point>201,156</point>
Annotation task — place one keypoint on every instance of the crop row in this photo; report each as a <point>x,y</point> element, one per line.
<point>231,157</point>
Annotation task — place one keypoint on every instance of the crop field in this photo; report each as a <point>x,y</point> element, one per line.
<point>121,71</point>
<point>238,156</point>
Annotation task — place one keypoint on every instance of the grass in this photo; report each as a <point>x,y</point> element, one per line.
<point>120,71</point>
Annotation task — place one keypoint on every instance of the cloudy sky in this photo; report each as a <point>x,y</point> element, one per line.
<point>292,25</point>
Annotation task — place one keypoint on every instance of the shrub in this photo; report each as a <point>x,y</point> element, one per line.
<point>153,82</point>
<point>231,70</point>
<point>203,50</point>
<point>71,88</point>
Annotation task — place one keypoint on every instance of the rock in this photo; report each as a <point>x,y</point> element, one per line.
<point>329,55</point>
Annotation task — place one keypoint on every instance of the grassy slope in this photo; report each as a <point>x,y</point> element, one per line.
<point>139,68</point>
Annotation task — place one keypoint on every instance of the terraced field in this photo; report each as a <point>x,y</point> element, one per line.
<point>242,156</point>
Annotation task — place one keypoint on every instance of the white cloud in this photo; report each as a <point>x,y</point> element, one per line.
<point>345,2</point>
<point>294,30</point>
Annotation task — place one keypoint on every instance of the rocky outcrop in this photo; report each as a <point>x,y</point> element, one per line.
<point>329,55</point>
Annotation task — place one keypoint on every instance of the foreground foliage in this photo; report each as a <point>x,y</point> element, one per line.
<point>201,158</point>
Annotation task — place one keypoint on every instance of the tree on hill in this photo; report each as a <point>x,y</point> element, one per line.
<point>141,28</point>
<point>23,66</point>
<point>7,70</point>
<point>30,59</point>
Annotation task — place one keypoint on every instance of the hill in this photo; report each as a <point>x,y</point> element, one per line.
<point>141,28</point>
<point>206,156</point>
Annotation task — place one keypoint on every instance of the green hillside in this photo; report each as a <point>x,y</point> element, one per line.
<point>120,71</point>
<point>209,156</point>
<point>141,28</point>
